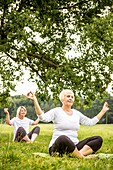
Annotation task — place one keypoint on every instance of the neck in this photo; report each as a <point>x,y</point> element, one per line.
<point>64,107</point>
<point>67,109</point>
<point>21,118</point>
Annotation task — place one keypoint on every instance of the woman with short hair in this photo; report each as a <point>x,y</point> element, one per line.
<point>66,124</point>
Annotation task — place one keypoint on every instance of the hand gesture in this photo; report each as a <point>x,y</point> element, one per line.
<point>31,95</point>
<point>105,107</point>
<point>6,110</point>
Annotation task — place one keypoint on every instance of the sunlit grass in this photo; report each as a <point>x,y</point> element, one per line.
<point>19,156</point>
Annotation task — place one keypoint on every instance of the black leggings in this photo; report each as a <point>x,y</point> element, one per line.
<point>21,133</point>
<point>63,144</point>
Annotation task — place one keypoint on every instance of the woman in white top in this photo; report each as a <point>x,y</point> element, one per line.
<point>66,124</point>
<point>21,125</point>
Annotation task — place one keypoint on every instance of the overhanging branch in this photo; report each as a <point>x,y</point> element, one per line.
<point>49,62</point>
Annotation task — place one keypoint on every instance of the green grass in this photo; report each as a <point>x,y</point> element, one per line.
<point>19,156</point>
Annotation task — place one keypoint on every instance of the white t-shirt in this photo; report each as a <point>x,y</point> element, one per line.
<point>16,122</point>
<point>66,124</point>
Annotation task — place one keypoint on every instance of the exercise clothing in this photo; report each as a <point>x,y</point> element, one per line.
<point>21,133</point>
<point>65,124</point>
<point>63,145</point>
<point>25,123</point>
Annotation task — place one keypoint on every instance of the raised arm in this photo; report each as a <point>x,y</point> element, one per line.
<point>7,116</point>
<point>35,122</point>
<point>32,96</point>
<point>103,111</point>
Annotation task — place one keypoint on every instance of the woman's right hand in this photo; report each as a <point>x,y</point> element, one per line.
<point>31,95</point>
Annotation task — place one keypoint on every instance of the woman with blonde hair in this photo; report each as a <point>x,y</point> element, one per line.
<point>67,122</point>
<point>21,125</point>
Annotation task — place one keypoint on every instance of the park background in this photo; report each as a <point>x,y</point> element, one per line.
<point>90,111</point>
<point>62,44</point>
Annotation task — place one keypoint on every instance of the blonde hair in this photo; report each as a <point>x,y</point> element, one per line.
<point>18,110</point>
<point>63,92</point>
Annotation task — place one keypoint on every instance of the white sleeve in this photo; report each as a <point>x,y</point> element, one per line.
<point>30,121</point>
<point>12,120</point>
<point>84,120</point>
<point>48,116</point>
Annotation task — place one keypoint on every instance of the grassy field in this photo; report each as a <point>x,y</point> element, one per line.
<point>19,156</point>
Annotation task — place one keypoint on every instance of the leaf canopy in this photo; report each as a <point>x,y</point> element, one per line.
<point>39,36</point>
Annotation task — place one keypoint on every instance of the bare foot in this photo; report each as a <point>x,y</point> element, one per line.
<point>91,156</point>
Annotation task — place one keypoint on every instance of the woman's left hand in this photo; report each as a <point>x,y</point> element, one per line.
<point>105,107</point>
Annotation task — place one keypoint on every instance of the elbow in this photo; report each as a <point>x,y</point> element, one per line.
<point>7,122</point>
<point>35,123</point>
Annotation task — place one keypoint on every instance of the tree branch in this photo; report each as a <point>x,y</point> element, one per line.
<point>49,62</point>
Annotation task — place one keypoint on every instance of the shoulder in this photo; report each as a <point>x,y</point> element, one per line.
<point>14,118</point>
<point>56,109</point>
<point>27,119</point>
<point>54,112</point>
<point>77,112</point>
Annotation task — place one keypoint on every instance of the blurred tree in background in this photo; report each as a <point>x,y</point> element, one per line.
<point>90,111</point>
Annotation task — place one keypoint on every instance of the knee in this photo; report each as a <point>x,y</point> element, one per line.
<point>37,127</point>
<point>100,140</point>
<point>20,129</point>
<point>62,138</point>
<point>37,130</point>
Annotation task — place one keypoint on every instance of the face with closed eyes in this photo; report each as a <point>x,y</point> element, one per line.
<point>22,113</point>
<point>67,97</point>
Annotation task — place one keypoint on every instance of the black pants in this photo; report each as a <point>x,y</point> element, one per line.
<point>21,133</point>
<point>63,144</point>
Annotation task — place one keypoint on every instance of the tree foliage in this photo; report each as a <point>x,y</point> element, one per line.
<point>93,110</point>
<point>36,35</point>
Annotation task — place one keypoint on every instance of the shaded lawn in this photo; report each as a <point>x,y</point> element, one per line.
<point>19,156</point>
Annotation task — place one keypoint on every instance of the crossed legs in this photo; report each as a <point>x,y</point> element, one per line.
<point>21,134</point>
<point>90,145</point>
<point>85,147</point>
